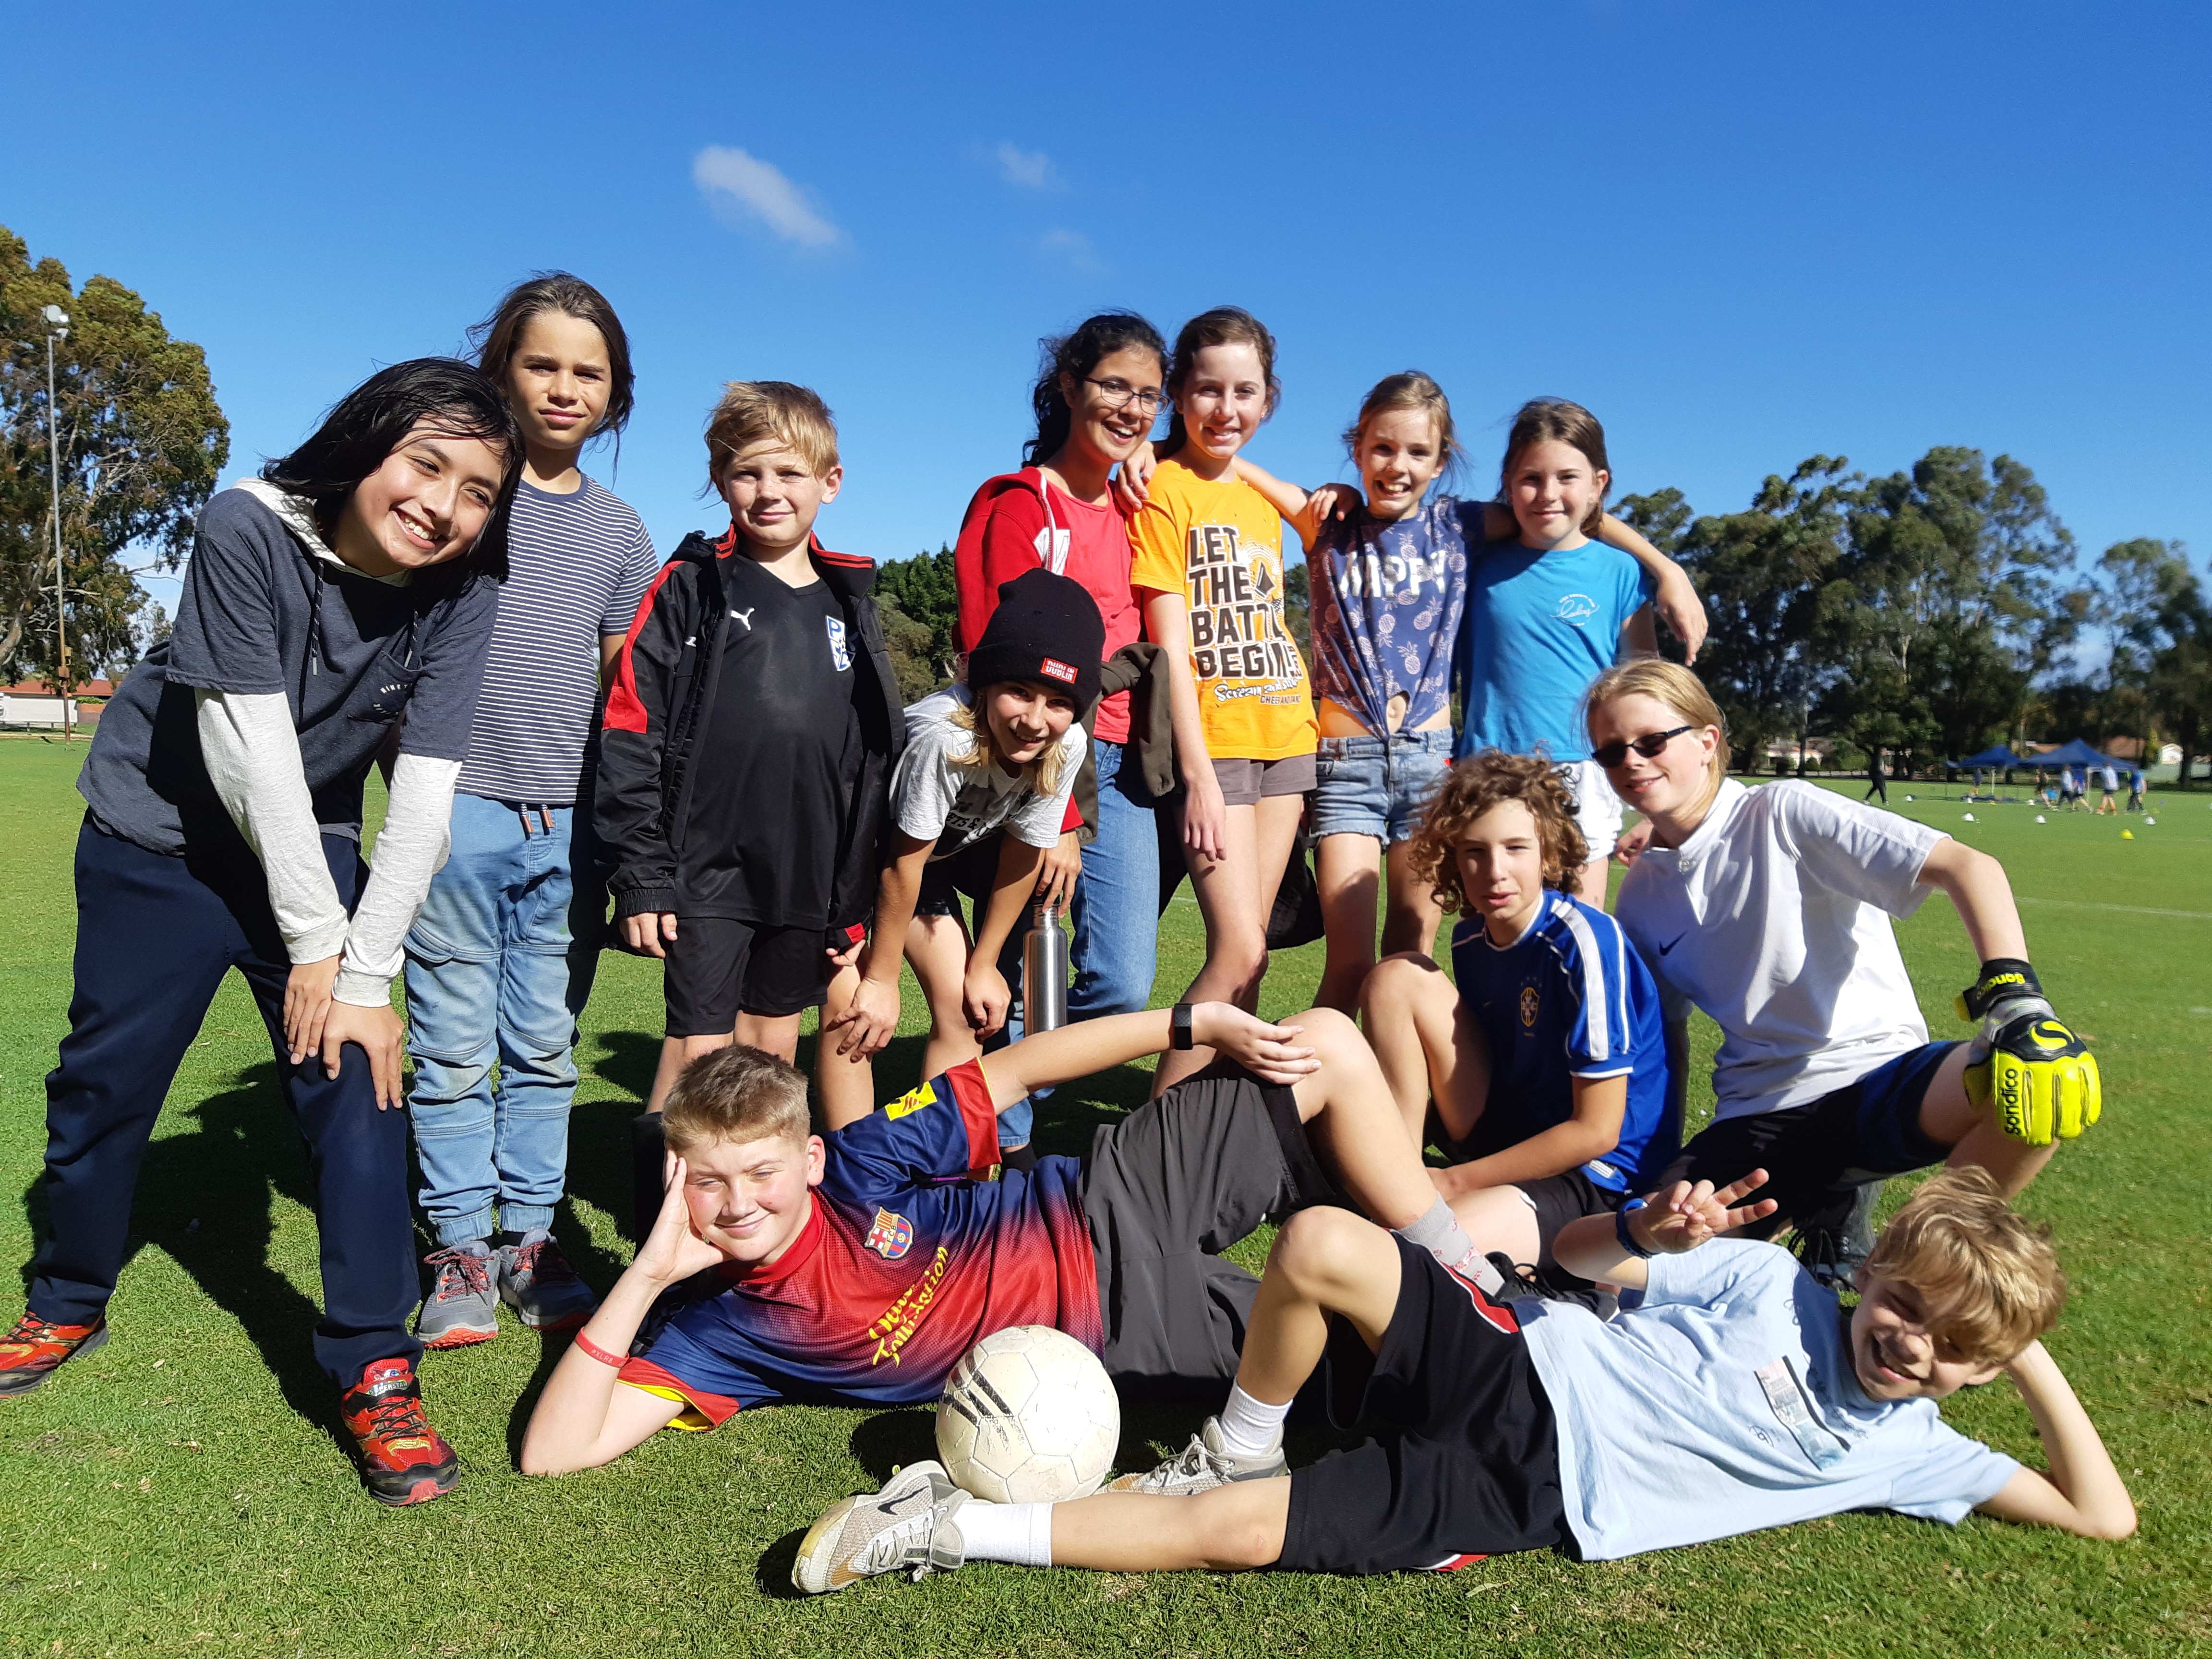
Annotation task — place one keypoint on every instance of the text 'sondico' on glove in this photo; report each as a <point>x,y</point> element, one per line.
<point>2042,1078</point>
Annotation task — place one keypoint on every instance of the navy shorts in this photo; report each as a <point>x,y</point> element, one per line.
<point>1865,1131</point>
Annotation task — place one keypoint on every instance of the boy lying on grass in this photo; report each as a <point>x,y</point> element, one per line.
<point>1736,1395</point>
<point>851,1271</point>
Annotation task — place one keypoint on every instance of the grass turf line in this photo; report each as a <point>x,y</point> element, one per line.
<point>181,1491</point>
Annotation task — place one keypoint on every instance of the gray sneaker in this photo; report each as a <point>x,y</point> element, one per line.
<point>1833,1253</point>
<point>535,1280</point>
<point>462,1307</point>
<point>1202,1466</point>
<point>908,1525</point>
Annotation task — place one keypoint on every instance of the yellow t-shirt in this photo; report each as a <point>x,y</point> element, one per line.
<point>1220,546</point>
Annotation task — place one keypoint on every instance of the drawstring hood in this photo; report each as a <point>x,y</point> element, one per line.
<point>297,514</point>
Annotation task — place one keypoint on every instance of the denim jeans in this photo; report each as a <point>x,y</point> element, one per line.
<point>1378,786</point>
<point>496,971</point>
<point>1116,913</point>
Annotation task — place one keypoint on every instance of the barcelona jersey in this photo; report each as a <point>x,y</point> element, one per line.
<point>1569,999</point>
<point>895,1275</point>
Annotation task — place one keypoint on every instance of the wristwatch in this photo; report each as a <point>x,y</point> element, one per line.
<point>1620,1229</point>
<point>1179,1023</point>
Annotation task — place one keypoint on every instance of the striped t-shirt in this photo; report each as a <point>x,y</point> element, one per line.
<point>578,567</point>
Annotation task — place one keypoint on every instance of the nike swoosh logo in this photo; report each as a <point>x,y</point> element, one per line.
<point>1671,943</point>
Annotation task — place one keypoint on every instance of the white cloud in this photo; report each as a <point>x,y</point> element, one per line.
<point>740,187</point>
<point>1073,247</point>
<point>1032,170</point>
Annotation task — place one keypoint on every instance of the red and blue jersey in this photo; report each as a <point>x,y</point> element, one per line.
<point>1569,999</point>
<point>896,1273</point>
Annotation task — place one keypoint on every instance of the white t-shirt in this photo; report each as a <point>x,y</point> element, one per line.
<point>955,807</point>
<point>1724,1401</point>
<point>1774,918</point>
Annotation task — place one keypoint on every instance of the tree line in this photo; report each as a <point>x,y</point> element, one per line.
<point>1934,612</point>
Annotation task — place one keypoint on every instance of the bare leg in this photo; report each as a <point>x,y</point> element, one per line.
<point>1225,1530</point>
<point>1410,916</point>
<point>772,1034</point>
<point>1589,884</point>
<point>676,1053</point>
<point>1500,1219</point>
<point>1348,1110</point>
<point>1971,1131</point>
<point>937,950</point>
<point>1275,829</point>
<point>848,1086</point>
<point>1346,870</point>
<point>1228,891</point>
<point>1427,1047</point>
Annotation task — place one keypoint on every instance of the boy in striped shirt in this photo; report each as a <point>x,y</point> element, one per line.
<point>502,955</point>
<point>1546,1067</point>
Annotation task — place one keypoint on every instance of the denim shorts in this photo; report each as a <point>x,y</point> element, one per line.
<point>1378,786</point>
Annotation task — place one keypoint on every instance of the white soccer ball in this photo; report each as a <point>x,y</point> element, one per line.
<point>1029,1415</point>
<point>1908,798</point>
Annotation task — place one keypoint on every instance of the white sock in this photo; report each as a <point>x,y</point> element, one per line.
<point>1251,1428</point>
<point>1438,1233</point>
<point>1019,1533</point>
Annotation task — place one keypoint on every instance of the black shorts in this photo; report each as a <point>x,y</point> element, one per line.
<point>1865,1131</point>
<point>1166,1190</point>
<point>1557,1200</point>
<point>970,873</point>
<point>1471,1463</point>
<point>718,969</point>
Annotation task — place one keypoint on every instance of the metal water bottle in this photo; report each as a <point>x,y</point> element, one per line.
<point>1045,971</point>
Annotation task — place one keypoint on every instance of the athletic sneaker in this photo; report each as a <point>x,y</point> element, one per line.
<point>1201,1465</point>
<point>462,1306</point>
<point>402,1458</point>
<point>909,1524</point>
<point>30,1352</point>
<point>1834,1243</point>
<point>535,1280</point>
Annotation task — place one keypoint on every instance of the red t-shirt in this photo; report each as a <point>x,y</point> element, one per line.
<point>1091,546</point>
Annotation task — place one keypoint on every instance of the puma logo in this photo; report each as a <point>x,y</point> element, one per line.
<point>746,618</point>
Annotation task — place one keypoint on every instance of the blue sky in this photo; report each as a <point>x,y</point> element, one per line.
<point>1740,233</point>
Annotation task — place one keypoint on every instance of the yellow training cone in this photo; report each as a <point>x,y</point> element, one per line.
<point>2127,834</point>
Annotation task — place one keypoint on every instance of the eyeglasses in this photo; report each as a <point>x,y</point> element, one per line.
<point>1118,394</point>
<point>1648,746</point>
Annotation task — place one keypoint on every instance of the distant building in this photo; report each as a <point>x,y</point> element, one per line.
<point>32,706</point>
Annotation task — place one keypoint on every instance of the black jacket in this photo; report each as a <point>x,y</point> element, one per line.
<point>659,733</point>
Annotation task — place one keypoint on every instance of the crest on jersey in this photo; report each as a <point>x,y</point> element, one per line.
<point>1576,608</point>
<point>892,1236</point>
<point>1530,1003</point>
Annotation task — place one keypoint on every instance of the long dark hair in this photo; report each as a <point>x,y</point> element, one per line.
<point>1547,420</point>
<point>1223,325</point>
<point>1074,354</point>
<point>499,336</point>
<point>374,418</point>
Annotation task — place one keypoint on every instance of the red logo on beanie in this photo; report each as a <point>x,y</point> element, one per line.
<point>1057,670</point>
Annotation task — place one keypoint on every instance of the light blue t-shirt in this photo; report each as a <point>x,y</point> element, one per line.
<point>1539,628</point>
<point>1387,603</point>
<point>1725,1403</point>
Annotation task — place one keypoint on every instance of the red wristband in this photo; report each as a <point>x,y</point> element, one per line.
<point>599,1353</point>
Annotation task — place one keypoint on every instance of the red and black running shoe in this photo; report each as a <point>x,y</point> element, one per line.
<point>30,1352</point>
<point>402,1458</point>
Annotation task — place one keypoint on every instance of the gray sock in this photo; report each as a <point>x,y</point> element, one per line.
<point>1438,1233</point>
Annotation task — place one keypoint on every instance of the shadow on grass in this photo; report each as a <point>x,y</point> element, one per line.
<point>886,1443</point>
<point>206,1200</point>
<point>772,1572</point>
<point>552,1346</point>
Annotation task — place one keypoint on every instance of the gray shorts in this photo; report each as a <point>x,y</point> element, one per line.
<point>1249,782</point>
<point>1166,1190</point>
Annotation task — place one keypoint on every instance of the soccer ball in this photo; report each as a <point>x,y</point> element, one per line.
<point>1029,1417</point>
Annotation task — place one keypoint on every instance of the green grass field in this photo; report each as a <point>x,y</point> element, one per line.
<point>181,1491</point>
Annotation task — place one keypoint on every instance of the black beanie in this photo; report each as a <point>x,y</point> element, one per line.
<point>1046,628</point>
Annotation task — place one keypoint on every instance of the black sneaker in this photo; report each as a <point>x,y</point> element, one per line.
<point>1835,1241</point>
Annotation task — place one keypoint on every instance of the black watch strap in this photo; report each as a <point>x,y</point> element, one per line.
<point>1179,1024</point>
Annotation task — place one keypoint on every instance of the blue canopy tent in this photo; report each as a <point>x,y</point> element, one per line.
<point>2076,753</point>
<point>1991,759</point>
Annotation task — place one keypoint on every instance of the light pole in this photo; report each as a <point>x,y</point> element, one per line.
<point>57,329</point>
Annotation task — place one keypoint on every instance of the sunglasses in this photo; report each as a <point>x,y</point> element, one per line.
<point>1648,746</point>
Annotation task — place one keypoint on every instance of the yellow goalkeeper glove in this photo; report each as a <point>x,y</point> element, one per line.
<point>2041,1078</point>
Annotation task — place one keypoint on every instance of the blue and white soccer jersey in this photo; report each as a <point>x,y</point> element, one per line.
<point>1569,999</point>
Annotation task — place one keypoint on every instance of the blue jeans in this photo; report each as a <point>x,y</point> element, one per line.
<point>1378,786</point>
<point>496,972</point>
<point>1115,912</point>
